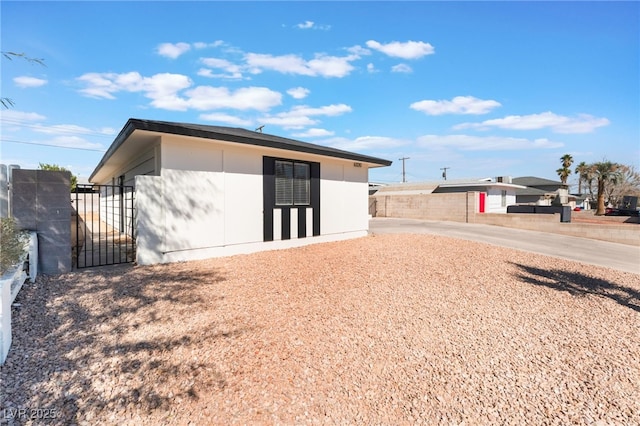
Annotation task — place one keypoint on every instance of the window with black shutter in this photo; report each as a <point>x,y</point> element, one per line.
<point>293,183</point>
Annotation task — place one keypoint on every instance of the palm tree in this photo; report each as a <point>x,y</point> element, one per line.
<point>565,170</point>
<point>567,160</point>
<point>582,170</point>
<point>604,172</point>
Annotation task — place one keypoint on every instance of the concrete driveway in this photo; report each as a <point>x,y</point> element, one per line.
<point>601,253</point>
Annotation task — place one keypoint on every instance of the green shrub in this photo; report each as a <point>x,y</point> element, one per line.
<point>12,244</point>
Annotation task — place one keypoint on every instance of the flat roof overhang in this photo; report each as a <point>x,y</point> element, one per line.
<point>138,135</point>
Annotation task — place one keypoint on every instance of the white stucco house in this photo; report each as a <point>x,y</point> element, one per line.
<point>206,191</point>
<point>495,195</point>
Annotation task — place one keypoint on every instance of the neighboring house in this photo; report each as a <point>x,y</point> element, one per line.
<point>537,190</point>
<point>205,191</point>
<point>494,195</point>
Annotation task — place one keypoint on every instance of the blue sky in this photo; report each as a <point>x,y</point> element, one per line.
<point>484,88</point>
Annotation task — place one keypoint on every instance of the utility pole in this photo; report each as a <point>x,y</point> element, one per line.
<point>444,174</point>
<point>403,173</point>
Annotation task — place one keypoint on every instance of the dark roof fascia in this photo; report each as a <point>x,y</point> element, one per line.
<point>229,134</point>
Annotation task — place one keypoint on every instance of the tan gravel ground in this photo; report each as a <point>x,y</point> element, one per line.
<point>392,329</point>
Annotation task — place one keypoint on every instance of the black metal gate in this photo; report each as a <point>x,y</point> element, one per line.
<point>104,230</point>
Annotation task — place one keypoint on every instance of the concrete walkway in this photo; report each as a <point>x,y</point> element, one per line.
<point>611,255</point>
<point>103,245</point>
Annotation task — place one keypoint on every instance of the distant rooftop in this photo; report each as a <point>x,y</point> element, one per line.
<point>535,181</point>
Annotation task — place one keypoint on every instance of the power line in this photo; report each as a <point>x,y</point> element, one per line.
<point>53,146</point>
<point>54,129</point>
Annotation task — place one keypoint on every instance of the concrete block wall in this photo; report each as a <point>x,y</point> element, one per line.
<point>452,206</point>
<point>615,233</point>
<point>528,221</point>
<point>463,207</point>
<point>40,202</point>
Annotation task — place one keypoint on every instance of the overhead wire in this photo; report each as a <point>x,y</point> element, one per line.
<point>3,140</point>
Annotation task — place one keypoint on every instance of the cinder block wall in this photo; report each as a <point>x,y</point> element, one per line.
<point>463,207</point>
<point>615,233</point>
<point>40,202</point>
<point>452,207</point>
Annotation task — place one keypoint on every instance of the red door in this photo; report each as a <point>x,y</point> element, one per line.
<point>483,198</point>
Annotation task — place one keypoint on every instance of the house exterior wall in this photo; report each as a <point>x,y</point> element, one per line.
<point>144,164</point>
<point>115,204</point>
<point>495,202</point>
<point>208,201</point>
<point>344,191</point>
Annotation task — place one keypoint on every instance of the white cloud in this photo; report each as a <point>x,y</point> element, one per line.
<point>458,105</point>
<point>371,68</point>
<point>99,85</point>
<point>73,142</point>
<point>287,64</point>
<point>487,143</point>
<point>305,25</point>
<point>298,92</point>
<point>233,71</point>
<point>365,143</point>
<point>173,50</point>
<point>63,129</point>
<point>331,66</point>
<point>204,72</point>
<point>310,25</point>
<point>300,116</point>
<point>408,50</point>
<point>314,133</point>
<point>21,116</point>
<point>321,65</point>
<point>209,98</point>
<point>201,45</point>
<point>162,89</point>
<point>108,131</point>
<point>225,118</point>
<point>329,110</point>
<point>583,123</point>
<point>222,64</point>
<point>358,51</point>
<point>25,81</point>
<point>289,121</point>
<point>404,68</point>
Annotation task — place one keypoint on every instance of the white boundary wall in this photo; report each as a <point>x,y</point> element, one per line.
<point>10,284</point>
<point>208,201</point>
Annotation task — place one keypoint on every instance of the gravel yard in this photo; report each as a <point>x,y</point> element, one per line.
<point>388,329</point>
